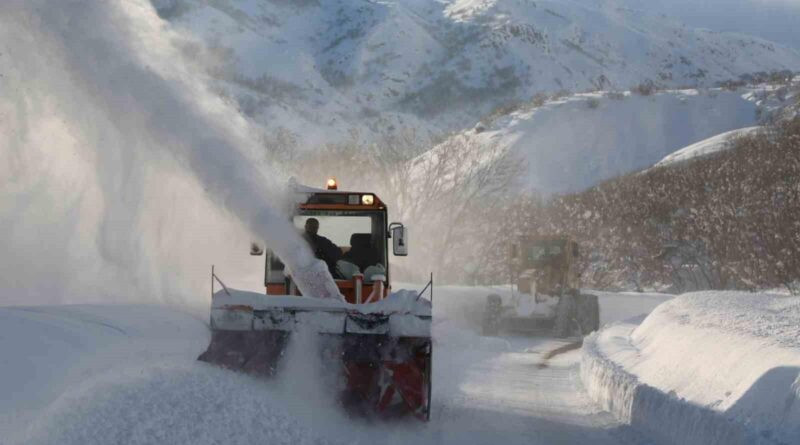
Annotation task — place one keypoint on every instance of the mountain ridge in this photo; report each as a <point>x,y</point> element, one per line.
<point>321,69</point>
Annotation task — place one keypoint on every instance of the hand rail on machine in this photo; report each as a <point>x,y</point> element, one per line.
<point>215,277</point>
<point>429,285</point>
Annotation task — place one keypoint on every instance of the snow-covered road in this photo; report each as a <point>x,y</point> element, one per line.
<point>488,390</point>
<point>127,374</point>
<point>511,395</point>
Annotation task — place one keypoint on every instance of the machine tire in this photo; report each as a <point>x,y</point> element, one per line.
<point>492,314</point>
<point>566,313</point>
<point>588,313</point>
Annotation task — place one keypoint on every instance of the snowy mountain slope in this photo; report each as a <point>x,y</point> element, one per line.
<point>778,102</point>
<point>577,141</point>
<point>320,68</point>
<point>774,103</point>
<point>706,147</point>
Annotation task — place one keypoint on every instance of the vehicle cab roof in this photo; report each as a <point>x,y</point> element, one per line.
<point>312,197</point>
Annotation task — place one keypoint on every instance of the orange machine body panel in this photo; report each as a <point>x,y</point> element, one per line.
<point>346,287</point>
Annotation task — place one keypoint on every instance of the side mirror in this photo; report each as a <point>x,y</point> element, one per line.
<point>256,250</point>
<point>399,239</point>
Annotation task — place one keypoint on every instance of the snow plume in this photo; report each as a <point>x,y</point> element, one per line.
<point>309,377</point>
<point>122,178</point>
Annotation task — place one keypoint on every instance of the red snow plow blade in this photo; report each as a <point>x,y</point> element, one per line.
<point>382,350</point>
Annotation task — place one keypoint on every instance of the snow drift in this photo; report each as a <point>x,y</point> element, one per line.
<point>705,368</point>
<point>122,176</point>
<point>127,374</point>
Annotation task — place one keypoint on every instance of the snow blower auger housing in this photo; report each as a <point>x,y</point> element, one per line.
<point>547,298</point>
<point>378,340</point>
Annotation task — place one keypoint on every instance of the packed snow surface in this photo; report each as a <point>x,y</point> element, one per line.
<point>127,374</point>
<point>704,368</point>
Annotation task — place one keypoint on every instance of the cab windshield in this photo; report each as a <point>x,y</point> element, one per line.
<point>349,242</point>
<point>544,251</point>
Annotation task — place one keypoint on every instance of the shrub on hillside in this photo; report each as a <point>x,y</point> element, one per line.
<point>726,221</point>
<point>538,100</point>
<point>560,94</point>
<point>645,89</point>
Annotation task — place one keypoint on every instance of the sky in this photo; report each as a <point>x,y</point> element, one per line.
<point>776,20</point>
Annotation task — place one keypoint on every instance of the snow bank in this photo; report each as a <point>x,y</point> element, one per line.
<point>88,374</point>
<point>705,368</point>
<point>186,404</point>
<point>45,352</point>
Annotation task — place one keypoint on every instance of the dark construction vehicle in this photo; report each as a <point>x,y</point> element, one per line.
<point>547,300</point>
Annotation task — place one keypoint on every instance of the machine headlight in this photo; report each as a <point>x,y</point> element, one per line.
<point>367,200</point>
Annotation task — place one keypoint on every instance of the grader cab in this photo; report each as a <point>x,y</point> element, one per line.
<point>547,299</point>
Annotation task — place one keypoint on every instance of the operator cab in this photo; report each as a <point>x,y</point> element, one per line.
<point>546,265</point>
<point>356,238</point>
<point>350,234</point>
<point>543,251</point>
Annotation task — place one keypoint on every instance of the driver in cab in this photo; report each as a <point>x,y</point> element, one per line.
<point>322,247</point>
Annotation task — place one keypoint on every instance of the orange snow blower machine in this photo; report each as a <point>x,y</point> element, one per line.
<point>378,341</point>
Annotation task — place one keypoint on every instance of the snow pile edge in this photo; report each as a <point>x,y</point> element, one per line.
<point>669,419</point>
<point>714,367</point>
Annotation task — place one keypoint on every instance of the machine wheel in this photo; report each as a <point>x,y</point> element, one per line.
<point>588,313</point>
<point>492,314</point>
<point>565,316</point>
